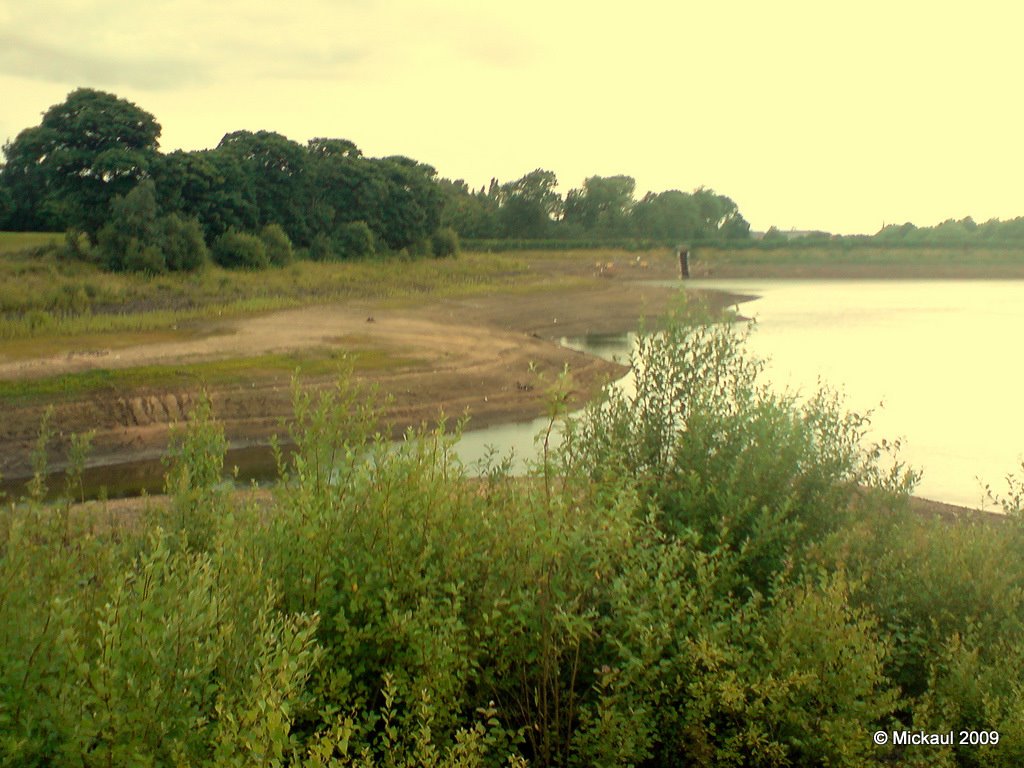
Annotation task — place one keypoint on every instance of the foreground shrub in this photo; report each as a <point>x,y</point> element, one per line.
<point>240,250</point>
<point>697,577</point>
<point>716,451</point>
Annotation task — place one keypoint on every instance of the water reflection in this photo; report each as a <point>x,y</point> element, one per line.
<point>936,360</point>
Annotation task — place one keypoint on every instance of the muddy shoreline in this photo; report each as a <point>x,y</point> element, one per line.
<point>491,359</point>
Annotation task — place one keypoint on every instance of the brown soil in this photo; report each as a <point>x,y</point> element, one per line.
<point>492,357</point>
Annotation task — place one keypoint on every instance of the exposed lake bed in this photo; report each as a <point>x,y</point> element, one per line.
<point>879,341</point>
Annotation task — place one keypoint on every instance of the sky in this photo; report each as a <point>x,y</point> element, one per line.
<point>835,116</point>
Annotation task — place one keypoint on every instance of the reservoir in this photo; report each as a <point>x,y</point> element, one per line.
<point>937,361</point>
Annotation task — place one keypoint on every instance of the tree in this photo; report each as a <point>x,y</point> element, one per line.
<point>211,186</point>
<point>469,214</point>
<point>412,206</point>
<point>240,250</point>
<point>278,246</point>
<point>602,205</point>
<point>343,188</point>
<point>6,205</point>
<point>276,168</point>
<point>669,217</point>
<point>129,240</point>
<point>89,149</point>
<point>529,205</point>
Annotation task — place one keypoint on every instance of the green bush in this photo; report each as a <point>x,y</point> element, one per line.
<point>320,248</point>
<point>278,245</point>
<point>240,250</point>
<point>444,242</point>
<point>354,240</point>
<point>135,239</point>
<point>182,242</point>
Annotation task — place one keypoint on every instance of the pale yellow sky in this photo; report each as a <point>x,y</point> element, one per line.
<point>810,115</point>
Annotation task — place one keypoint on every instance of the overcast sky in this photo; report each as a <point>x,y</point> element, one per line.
<point>810,115</point>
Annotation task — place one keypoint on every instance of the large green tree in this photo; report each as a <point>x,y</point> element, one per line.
<point>530,204</point>
<point>212,186</point>
<point>412,207</point>
<point>277,168</point>
<point>88,149</point>
<point>602,205</point>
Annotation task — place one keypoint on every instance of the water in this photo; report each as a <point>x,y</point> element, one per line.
<point>937,360</point>
<point>521,440</point>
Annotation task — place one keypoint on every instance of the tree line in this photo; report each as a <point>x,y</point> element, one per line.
<point>93,167</point>
<point>605,207</point>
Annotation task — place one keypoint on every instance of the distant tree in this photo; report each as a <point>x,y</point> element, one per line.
<point>602,205</point>
<point>344,187</point>
<point>668,217</point>
<point>276,169</point>
<point>210,185</point>
<point>87,150</point>
<point>354,240</point>
<point>412,206</point>
<point>6,205</point>
<point>716,214</point>
<point>322,147</point>
<point>529,205</point>
<point>735,227</point>
<point>128,241</point>
<point>469,214</point>
<point>182,243</point>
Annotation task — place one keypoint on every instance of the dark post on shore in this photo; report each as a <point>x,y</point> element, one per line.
<point>683,252</point>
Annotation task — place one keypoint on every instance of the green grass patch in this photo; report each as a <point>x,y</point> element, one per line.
<point>101,343</point>
<point>233,371</point>
<point>13,242</point>
<point>970,257</point>
<point>42,296</point>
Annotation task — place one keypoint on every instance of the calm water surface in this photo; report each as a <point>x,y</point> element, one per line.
<point>938,361</point>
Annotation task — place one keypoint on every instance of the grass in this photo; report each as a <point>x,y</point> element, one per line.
<point>13,242</point>
<point>239,370</point>
<point>962,257</point>
<point>45,297</point>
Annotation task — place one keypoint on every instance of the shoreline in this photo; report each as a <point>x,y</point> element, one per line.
<point>491,356</point>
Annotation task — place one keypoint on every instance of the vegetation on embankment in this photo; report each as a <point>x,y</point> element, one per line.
<point>187,376</point>
<point>44,296</point>
<point>705,573</point>
<point>845,259</point>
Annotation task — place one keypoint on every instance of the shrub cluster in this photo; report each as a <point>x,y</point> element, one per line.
<point>704,573</point>
<point>137,239</point>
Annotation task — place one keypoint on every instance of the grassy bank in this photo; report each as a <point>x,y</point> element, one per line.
<point>880,261</point>
<point>43,296</point>
<point>213,373</point>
